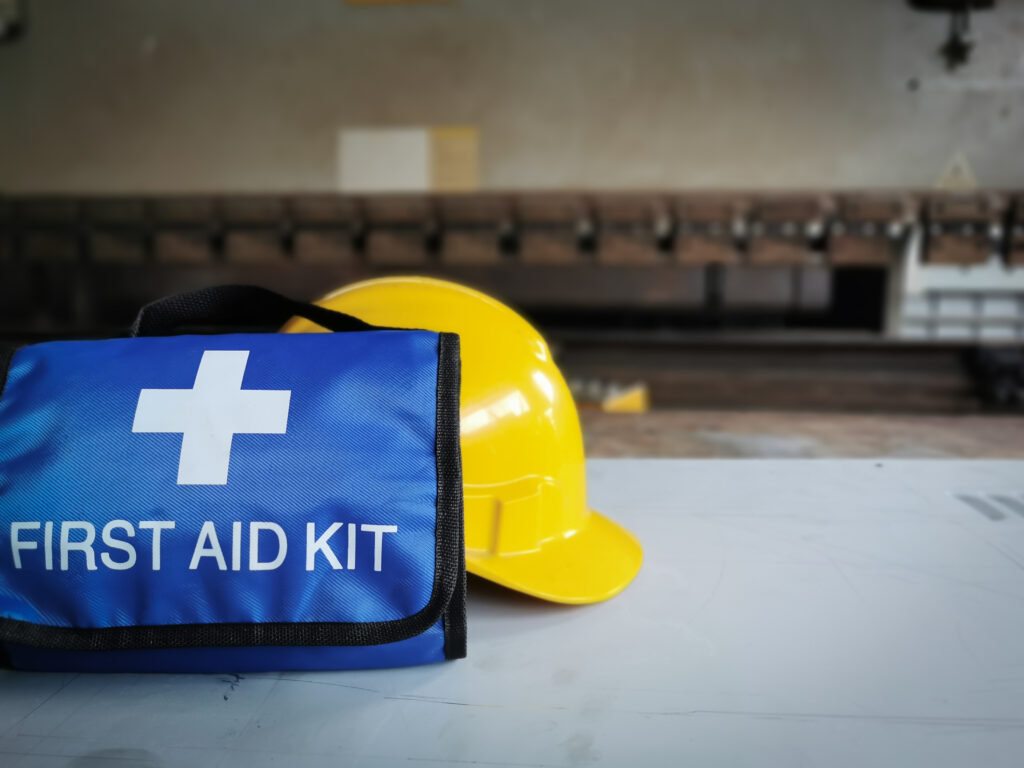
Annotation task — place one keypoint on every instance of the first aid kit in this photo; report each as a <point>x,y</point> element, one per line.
<point>232,501</point>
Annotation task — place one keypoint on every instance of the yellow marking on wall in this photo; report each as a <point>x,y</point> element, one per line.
<point>454,158</point>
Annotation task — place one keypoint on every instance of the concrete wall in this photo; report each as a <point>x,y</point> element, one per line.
<point>195,95</point>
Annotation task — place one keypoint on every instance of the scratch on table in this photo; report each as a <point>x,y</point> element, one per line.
<point>1016,563</point>
<point>327,683</point>
<point>968,648</point>
<point>931,574</point>
<point>842,574</point>
<point>253,718</point>
<point>1012,723</point>
<point>233,680</point>
<point>42,703</point>
<point>723,564</point>
<point>424,699</point>
<point>456,703</point>
<point>992,545</point>
<point>449,761</point>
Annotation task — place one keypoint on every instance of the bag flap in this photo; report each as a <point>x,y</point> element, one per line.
<point>230,490</point>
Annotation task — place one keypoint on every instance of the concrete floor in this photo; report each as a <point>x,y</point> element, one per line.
<point>757,434</point>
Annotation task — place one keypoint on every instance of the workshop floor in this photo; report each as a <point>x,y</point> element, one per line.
<point>758,434</point>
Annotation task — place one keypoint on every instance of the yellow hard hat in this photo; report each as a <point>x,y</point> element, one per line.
<point>528,525</point>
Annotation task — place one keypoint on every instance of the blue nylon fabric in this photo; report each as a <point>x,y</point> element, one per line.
<point>425,648</point>
<point>359,449</point>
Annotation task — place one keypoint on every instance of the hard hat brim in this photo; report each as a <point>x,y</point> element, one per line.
<point>591,565</point>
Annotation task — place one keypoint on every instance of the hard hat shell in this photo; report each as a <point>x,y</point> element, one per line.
<point>527,522</point>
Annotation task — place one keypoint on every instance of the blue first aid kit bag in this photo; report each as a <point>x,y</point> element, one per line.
<point>232,502</point>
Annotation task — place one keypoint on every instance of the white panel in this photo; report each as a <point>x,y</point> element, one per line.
<point>916,306</point>
<point>998,332</point>
<point>1000,306</point>
<point>384,160</point>
<point>956,331</point>
<point>955,306</point>
<point>913,331</point>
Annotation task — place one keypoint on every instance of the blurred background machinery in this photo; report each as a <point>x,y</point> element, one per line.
<point>804,205</point>
<point>845,301</point>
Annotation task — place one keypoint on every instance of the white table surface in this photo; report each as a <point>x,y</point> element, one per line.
<point>788,613</point>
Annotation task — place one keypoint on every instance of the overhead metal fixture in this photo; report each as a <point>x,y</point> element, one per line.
<point>956,50</point>
<point>12,20</point>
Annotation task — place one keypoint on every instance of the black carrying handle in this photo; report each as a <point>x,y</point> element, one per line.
<point>235,305</point>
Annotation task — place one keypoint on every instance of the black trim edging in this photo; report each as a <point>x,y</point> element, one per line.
<point>447,449</point>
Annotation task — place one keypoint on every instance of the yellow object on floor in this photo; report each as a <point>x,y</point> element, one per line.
<point>632,399</point>
<point>528,526</point>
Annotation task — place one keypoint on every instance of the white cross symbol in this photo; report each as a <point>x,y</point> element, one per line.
<point>210,414</point>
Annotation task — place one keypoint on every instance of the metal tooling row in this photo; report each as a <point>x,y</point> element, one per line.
<point>664,228</point>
